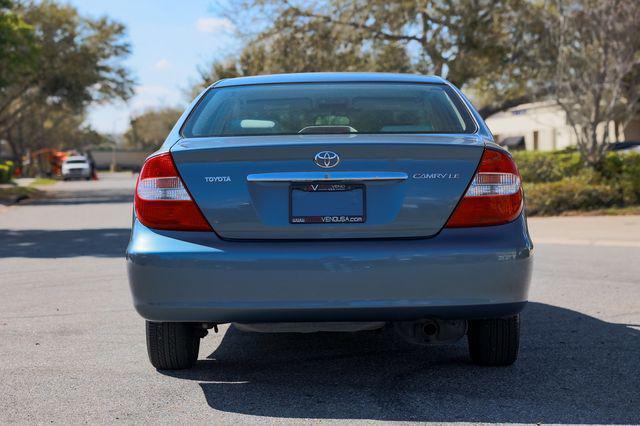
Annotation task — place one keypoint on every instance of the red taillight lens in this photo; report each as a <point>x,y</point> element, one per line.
<point>494,196</point>
<point>162,201</point>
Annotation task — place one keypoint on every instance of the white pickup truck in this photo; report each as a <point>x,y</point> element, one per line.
<point>76,167</point>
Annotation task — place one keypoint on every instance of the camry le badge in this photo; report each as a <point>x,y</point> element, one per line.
<point>326,159</point>
<point>436,176</point>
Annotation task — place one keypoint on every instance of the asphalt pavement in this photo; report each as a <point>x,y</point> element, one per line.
<point>72,348</point>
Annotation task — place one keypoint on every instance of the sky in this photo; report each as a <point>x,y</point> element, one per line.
<point>169,41</point>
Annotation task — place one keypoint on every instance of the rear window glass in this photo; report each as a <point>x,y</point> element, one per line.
<point>322,108</point>
<point>76,161</point>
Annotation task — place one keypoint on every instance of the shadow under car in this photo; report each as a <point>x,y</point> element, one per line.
<point>572,368</point>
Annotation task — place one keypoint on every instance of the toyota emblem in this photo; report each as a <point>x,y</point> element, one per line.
<point>326,159</point>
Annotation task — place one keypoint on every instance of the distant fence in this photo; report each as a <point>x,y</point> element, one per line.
<point>127,160</point>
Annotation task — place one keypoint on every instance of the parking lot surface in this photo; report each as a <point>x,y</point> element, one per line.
<point>72,348</point>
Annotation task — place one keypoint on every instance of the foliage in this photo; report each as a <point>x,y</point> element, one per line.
<point>148,130</point>
<point>624,172</point>
<point>80,59</point>
<point>17,44</point>
<point>491,45</point>
<point>43,182</point>
<point>218,70</point>
<point>584,54</point>
<point>557,182</point>
<point>569,194</point>
<point>537,166</point>
<point>76,63</point>
<point>597,62</point>
<point>50,126</point>
<point>14,194</point>
<point>5,173</point>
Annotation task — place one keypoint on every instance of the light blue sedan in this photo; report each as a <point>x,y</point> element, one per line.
<point>330,202</point>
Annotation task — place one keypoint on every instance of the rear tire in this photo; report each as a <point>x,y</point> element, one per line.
<point>172,345</point>
<point>495,341</point>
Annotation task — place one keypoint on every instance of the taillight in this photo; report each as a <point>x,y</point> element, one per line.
<point>162,201</point>
<point>494,196</point>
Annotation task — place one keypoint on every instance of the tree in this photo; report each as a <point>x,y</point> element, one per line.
<point>217,70</point>
<point>584,54</point>
<point>148,130</point>
<point>595,80</point>
<point>52,128</point>
<point>17,46</point>
<point>76,63</point>
<point>491,45</point>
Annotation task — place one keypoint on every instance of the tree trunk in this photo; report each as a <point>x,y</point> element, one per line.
<point>16,155</point>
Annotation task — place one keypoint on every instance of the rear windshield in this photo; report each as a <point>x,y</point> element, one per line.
<point>76,161</point>
<point>322,108</point>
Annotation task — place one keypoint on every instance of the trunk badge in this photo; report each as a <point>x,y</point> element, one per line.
<point>326,159</point>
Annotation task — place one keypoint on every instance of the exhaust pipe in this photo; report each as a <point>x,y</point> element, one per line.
<point>430,329</point>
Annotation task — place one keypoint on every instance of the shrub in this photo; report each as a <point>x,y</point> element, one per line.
<point>559,181</point>
<point>622,171</point>
<point>628,178</point>
<point>538,166</point>
<point>611,166</point>
<point>574,193</point>
<point>5,173</point>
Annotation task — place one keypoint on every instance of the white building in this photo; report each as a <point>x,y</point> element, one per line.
<point>543,126</point>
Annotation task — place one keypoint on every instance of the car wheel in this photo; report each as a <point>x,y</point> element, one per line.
<point>494,342</point>
<point>172,345</point>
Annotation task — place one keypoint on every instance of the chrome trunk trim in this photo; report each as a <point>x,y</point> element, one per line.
<point>326,176</point>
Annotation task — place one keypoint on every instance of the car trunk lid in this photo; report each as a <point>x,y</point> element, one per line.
<point>386,186</point>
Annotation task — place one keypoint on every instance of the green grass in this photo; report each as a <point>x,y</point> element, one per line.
<point>16,193</point>
<point>43,182</point>
<point>611,211</point>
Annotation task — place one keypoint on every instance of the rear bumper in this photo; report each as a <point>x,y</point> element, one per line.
<point>460,273</point>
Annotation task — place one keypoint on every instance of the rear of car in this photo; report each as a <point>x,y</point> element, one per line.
<point>76,167</point>
<point>334,199</point>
